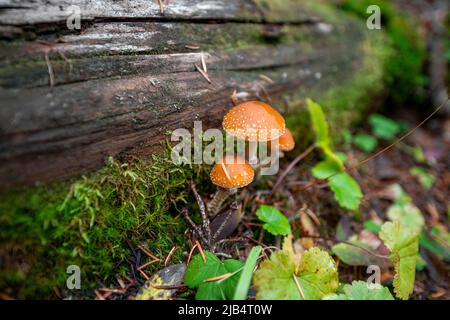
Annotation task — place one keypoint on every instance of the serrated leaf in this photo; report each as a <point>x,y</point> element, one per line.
<point>346,190</point>
<point>274,278</point>
<point>360,290</point>
<point>408,215</point>
<point>318,123</point>
<point>275,222</point>
<point>404,246</point>
<point>384,127</point>
<point>316,276</point>
<point>365,142</point>
<point>198,271</point>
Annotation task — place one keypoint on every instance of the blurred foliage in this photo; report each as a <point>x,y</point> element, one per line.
<point>404,70</point>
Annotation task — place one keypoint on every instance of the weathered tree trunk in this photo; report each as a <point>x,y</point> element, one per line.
<point>70,98</point>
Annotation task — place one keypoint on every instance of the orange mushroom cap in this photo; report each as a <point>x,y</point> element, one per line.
<point>232,172</point>
<point>254,121</point>
<point>286,141</point>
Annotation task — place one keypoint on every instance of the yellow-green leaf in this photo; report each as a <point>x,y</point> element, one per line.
<point>404,246</point>
<point>318,123</point>
<point>315,278</point>
<point>408,215</point>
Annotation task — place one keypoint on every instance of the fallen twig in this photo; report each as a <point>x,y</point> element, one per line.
<point>51,76</point>
<point>292,165</point>
<point>148,253</point>
<point>192,47</point>
<point>202,73</point>
<point>169,255</point>
<point>161,6</point>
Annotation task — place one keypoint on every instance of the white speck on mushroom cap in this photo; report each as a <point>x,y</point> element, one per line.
<point>254,121</point>
<point>232,172</point>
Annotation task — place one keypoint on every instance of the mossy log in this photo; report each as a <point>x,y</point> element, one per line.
<point>71,98</point>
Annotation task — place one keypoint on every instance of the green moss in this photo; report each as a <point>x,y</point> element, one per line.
<point>91,222</point>
<point>404,70</point>
<point>348,96</point>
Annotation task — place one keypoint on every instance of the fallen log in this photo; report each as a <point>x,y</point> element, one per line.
<point>115,88</point>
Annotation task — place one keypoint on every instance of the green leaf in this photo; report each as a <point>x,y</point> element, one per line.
<point>346,190</point>
<point>229,285</point>
<point>354,256</point>
<point>275,222</point>
<point>319,123</point>
<point>360,290</point>
<point>426,179</point>
<point>418,154</point>
<point>316,276</point>
<point>404,247</point>
<point>198,271</point>
<point>383,127</point>
<point>341,156</point>
<point>331,165</point>
<point>274,278</point>
<point>372,226</point>
<point>365,142</point>
<point>326,168</point>
<point>246,275</point>
<point>440,248</point>
<point>420,263</point>
<point>347,137</point>
<point>408,215</point>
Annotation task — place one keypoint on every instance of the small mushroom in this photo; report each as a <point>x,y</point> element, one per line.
<point>228,175</point>
<point>254,121</point>
<point>286,142</point>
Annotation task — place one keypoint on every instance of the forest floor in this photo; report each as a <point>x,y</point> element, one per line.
<point>317,220</point>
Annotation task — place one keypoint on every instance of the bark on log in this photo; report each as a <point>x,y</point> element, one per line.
<point>128,77</point>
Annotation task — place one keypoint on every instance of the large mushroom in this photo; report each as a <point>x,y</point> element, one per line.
<point>254,121</point>
<point>228,175</point>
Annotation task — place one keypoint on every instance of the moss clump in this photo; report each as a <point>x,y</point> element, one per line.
<point>347,96</point>
<point>404,69</point>
<point>91,222</point>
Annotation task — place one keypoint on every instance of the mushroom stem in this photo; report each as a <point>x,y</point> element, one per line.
<point>252,153</point>
<point>219,197</point>
<point>267,160</point>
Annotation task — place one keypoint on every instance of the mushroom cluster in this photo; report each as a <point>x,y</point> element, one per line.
<point>255,122</point>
